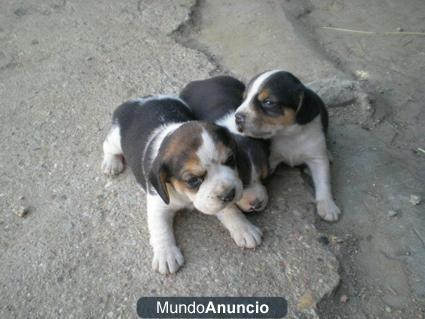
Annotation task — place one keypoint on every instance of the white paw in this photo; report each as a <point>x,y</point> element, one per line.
<point>112,165</point>
<point>328,210</point>
<point>246,235</point>
<point>167,260</point>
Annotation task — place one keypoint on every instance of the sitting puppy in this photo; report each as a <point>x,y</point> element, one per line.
<point>180,163</point>
<point>215,100</point>
<point>278,106</point>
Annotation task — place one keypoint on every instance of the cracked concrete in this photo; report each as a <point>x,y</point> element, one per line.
<point>82,250</point>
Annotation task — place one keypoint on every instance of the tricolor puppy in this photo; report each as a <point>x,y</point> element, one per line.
<point>279,107</point>
<point>180,163</point>
<point>215,100</point>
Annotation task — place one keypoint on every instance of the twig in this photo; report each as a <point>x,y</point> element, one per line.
<point>374,32</point>
<point>420,149</point>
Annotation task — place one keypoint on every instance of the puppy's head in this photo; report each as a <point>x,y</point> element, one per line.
<point>253,168</point>
<point>198,162</point>
<point>273,101</point>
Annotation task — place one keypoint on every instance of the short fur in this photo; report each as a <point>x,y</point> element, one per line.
<point>180,163</point>
<point>215,100</point>
<point>279,107</point>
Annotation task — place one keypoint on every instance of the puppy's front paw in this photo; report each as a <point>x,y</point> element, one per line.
<point>112,165</point>
<point>246,235</point>
<point>328,210</point>
<point>167,260</point>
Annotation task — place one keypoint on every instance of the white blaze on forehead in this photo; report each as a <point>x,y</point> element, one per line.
<point>256,86</point>
<point>207,152</point>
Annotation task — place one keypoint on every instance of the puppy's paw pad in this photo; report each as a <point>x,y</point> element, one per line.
<point>328,210</point>
<point>167,260</point>
<point>246,235</point>
<point>112,165</point>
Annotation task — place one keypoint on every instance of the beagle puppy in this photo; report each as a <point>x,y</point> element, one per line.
<point>279,107</point>
<point>215,100</point>
<point>179,163</point>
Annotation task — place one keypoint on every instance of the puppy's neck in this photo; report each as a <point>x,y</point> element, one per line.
<point>296,129</point>
<point>290,130</point>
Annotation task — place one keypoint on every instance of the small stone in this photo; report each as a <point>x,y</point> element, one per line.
<point>110,314</point>
<point>306,302</point>
<point>388,309</point>
<point>415,200</point>
<point>22,197</point>
<point>22,211</point>
<point>399,29</point>
<point>392,213</point>
<point>323,240</point>
<point>343,299</point>
<point>20,12</point>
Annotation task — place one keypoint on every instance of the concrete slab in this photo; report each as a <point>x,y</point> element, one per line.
<point>82,250</point>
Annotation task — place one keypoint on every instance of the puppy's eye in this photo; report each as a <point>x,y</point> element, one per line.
<point>194,182</point>
<point>230,161</point>
<point>268,103</point>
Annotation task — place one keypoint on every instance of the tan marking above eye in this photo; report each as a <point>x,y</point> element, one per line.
<point>180,186</point>
<point>264,94</point>
<point>264,171</point>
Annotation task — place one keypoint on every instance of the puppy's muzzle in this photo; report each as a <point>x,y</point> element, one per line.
<point>256,205</point>
<point>240,119</point>
<point>228,196</point>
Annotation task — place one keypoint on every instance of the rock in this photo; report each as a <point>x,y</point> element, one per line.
<point>323,240</point>
<point>388,309</point>
<point>399,29</point>
<point>22,211</point>
<point>392,213</point>
<point>343,299</point>
<point>362,75</point>
<point>20,12</point>
<point>306,301</point>
<point>415,200</point>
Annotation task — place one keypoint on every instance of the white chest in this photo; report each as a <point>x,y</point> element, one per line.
<point>298,145</point>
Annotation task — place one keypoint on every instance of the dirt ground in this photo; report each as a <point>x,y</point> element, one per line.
<point>82,250</point>
<point>378,160</point>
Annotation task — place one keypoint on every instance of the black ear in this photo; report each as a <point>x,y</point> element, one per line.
<point>308,107</point>
<point>158,178</point>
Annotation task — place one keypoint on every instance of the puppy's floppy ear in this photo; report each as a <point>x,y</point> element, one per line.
<point>308,108</point>
<point>158,176</point>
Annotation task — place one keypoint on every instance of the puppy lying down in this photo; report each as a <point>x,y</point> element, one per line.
<point>216,100</point>
<point>180,163</point>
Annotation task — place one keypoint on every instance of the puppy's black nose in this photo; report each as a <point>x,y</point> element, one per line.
<point>229,195</point>
<point>256,205</point>
<point>240,121</point>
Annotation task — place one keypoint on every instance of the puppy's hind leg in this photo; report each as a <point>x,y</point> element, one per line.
<point>113,160</point>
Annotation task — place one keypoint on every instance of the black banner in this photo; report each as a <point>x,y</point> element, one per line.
<point>212,307</point>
